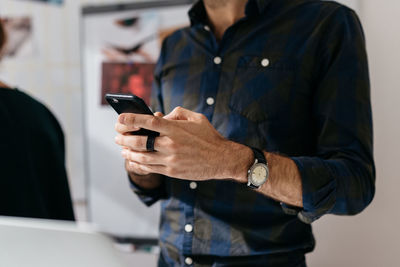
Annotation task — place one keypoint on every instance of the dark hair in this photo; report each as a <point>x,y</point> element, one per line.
<point>2,36</point>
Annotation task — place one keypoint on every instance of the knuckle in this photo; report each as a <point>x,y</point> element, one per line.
<point>141,158</point>
<point>121,140</point>
<point>169,171</point>
<point>139,143</point>
<point>202,116</point>
<point>129,119</point>
<point>171,160</point>
<point>130,165</point>
<point>173,147</point>
<point>117,127</point>
<point>136,168</point>
<point>140,168</point>
<point>128,155</point>
<point>178,109</point>
<point>155,122</point>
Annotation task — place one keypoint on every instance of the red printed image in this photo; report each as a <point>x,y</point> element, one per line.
<point>127,78</point>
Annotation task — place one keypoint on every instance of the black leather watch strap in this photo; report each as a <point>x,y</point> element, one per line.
<point>259,158</point>
<point>259,155</point>
<point>252,186</point>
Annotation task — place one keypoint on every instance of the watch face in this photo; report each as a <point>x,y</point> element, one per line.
<point>259,174</point>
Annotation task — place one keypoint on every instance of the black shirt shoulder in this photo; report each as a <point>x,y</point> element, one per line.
<point>34,180</point>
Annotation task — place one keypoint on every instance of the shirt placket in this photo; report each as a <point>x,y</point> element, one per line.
<point>209,91</point>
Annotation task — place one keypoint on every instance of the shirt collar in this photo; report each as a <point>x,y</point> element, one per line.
<point>198,14</point>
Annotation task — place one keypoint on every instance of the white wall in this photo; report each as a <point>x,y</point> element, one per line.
<point>372,238</point>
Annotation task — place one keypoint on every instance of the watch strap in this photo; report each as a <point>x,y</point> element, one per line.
<point>259,155</point>
<point>252,186</point>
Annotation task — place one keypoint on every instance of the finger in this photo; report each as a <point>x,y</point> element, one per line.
<point>180,113</point>
<point>138,142</point>
<point>124,129</point>
<point>146,158</point>
<point>127,121</point>
<point>147,168</point>
<point>133,167</point>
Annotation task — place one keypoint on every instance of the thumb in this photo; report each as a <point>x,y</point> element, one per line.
<point>180,113</point>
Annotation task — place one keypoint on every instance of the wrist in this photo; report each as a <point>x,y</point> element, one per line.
<point>239,159</point>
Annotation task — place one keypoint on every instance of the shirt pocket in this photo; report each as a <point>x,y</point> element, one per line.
<point>261,87</point>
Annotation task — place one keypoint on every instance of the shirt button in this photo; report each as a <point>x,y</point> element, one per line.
<point>217,60</point>
<point>189,261</point>
<point>188,228</point>
<point>210,101</point>
<point>193,185</point>
<point>265,62</point>
<point>207,28</point>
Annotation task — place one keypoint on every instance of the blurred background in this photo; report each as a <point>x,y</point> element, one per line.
<point>50,58</point>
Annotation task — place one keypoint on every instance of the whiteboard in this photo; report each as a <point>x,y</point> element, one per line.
<point>111,203</point>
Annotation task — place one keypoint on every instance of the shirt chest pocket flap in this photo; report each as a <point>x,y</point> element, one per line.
<point>261,87</point>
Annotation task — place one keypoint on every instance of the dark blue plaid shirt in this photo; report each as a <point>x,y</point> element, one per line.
<point>292,78</point>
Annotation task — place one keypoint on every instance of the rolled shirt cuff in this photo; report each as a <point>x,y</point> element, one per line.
<point>147,196</point>
<point>319,189</point>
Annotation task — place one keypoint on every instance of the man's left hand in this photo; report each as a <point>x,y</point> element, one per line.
<point>188,147</point>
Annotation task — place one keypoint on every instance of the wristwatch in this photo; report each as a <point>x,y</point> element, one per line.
<point>258,173</point>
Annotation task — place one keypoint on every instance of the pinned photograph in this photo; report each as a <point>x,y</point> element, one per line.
<point>19,37</point>
<point>123,78</point>
<point>129,48</point>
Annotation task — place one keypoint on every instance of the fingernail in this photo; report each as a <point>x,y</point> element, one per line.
<point>131,163</point>
<point>117,139</point>
<point>123,152</point>
<point>121,119</point>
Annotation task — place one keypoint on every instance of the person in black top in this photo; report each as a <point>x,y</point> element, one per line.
<point>33,179</point>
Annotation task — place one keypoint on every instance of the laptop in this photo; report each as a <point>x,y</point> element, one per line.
<point>45,243</point>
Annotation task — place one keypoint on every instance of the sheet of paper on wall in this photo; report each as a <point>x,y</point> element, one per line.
<point>120,46</point>
<point>19,32</point>
<point>57,2</point>
<point>129,48</point>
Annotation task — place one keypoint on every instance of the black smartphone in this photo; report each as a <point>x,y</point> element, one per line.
<point>128,103</point>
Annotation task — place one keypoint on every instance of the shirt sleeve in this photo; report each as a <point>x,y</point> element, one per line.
<point>148,197</point>
<point>340,177</point>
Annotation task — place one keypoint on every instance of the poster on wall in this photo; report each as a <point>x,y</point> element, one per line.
<point>19,37</point>
<point>127,78</point>
<point>129,50</point>
<point>120,47</point>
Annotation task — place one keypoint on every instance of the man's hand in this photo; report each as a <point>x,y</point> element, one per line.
<point>131,167</point>
<point>188,147</point>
